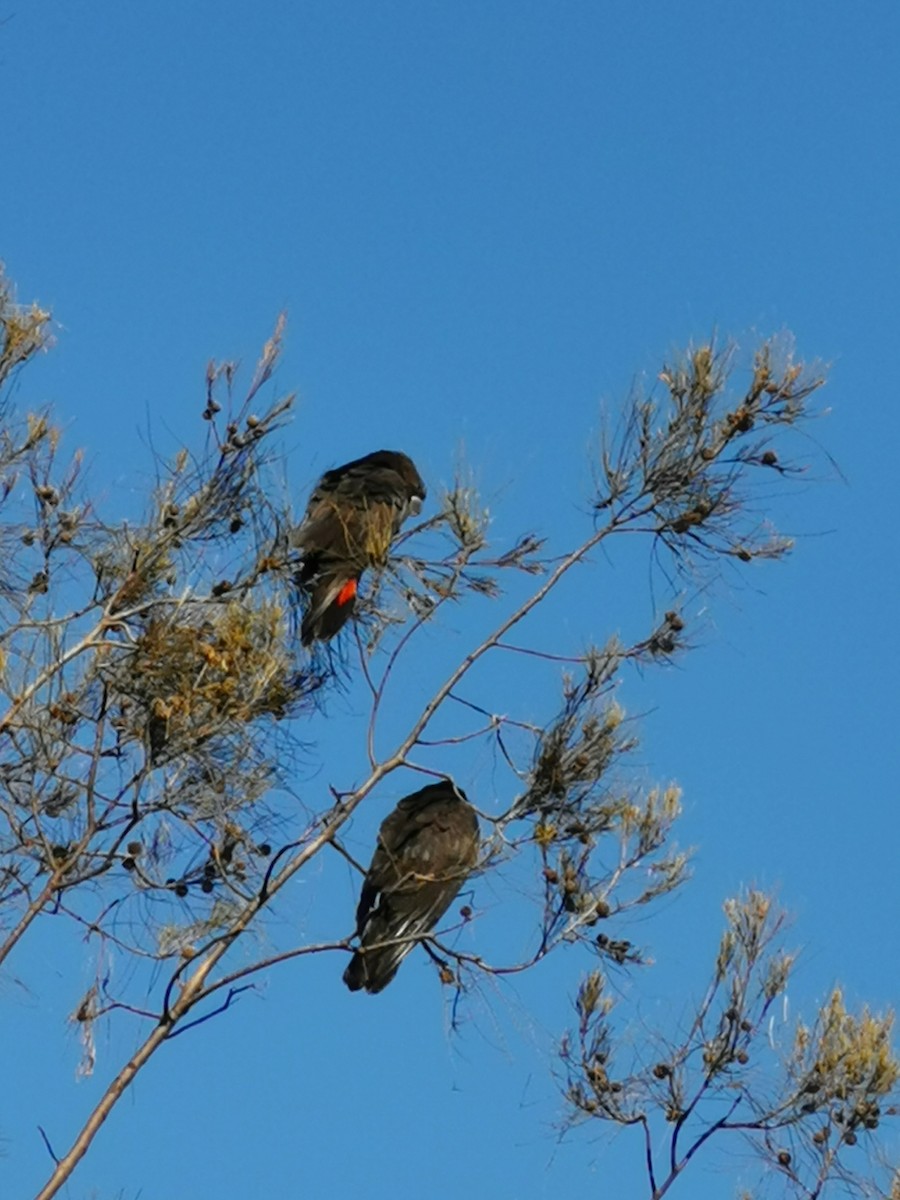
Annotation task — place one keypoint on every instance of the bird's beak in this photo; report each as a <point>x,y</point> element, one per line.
<point>415,506</point>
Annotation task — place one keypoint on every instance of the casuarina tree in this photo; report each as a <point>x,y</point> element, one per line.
<point>160,670</point>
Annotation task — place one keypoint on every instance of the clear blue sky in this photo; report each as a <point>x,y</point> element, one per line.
<point>483,219</point>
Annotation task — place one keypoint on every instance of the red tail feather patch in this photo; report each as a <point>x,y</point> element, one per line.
<point>346,594</point>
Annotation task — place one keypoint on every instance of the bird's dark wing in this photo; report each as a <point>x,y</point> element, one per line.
<point>430,835</point>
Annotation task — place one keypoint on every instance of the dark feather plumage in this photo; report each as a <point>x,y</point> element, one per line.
<point>427,848</point>
<point>352,516</point>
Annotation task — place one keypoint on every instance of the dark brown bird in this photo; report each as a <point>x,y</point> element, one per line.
<point>353,514</point>
<point>427,848</point>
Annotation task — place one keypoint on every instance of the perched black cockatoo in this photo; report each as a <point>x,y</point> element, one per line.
<point>427,847</point>
<point>352,516</point>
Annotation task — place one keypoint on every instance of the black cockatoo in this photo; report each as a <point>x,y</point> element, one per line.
<point>352,516</point>
<point>427,847</point>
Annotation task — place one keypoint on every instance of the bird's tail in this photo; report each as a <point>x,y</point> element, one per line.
<point>332,600</point>
<point>390,935</point>
<point>374,969</point>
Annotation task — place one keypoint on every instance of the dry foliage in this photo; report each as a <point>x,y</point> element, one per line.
<point>804,1111</point>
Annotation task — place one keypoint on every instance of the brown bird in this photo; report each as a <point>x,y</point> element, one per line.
<point>353,514</point>
<point>427,848</point>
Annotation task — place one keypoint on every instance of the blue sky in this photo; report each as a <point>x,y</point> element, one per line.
<point>484,221</point>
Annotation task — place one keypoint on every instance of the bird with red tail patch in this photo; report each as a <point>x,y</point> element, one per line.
<point>427,848</point>
<point>354,513</point>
